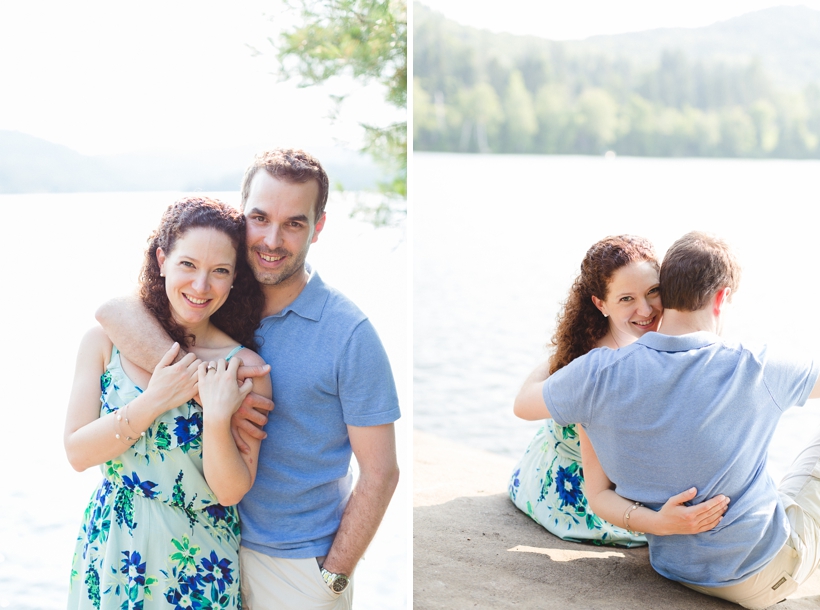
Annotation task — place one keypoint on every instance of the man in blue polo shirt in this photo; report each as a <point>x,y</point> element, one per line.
<point>304,525</point>
<point>685,409</point>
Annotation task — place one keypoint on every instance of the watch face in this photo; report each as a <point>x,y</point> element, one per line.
<point>340,583</point>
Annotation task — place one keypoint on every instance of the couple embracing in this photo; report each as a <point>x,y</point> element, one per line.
<point>672,425</point>
<point>229,320</point>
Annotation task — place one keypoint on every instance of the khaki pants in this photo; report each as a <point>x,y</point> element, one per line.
<point>270,583</point>
<point>800,556</point>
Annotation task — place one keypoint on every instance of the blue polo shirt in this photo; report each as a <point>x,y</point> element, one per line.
<point>668,413</point>
<point>329,370</point>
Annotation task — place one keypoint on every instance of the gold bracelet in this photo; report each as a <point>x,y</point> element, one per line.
<point>117,434</point>
<point>120,418</point>
<point>626,519</point>
<point>128,423</point>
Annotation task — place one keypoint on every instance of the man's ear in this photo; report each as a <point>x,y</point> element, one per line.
<point>317,228</point>
<point>722,297</point>
<point>600,305</point>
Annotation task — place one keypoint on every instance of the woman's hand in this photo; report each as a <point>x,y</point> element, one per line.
<point>676,518</point>
<point>219,389</point>
<point>171,384</point>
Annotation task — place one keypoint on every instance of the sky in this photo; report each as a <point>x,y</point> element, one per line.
<point>580,19</point>
<point>109,77</point>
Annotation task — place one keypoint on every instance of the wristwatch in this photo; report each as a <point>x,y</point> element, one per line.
<point>337,582</point>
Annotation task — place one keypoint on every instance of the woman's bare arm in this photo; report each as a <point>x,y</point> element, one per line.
<point>673,518</point>
<point>229,471</point>
<point>529,403</point>
<point>90,439</point>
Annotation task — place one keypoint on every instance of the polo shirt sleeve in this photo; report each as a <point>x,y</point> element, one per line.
<point>569,393</point>
<point>789,380</point>
<point>367,390</point>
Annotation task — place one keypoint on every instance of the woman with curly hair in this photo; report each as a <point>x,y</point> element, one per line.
<point>614,301</point>
<point>161,529</point>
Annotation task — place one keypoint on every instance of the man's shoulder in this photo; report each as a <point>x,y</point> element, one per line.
<point>342,306</point>
<point>338,307</point>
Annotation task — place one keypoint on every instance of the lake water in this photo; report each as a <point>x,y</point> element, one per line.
<point>65,254</point>
<point>497,241</point>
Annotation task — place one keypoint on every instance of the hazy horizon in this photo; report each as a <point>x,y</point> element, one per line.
<point>587,18</point>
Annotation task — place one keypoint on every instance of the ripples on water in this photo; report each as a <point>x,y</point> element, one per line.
<point>498,240</point>
<point>65,254</point>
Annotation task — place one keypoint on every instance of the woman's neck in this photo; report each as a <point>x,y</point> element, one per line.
<point>615,339</point>
<point>204,333</point>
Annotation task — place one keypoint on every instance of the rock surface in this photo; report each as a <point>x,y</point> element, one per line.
<point>472,548</point>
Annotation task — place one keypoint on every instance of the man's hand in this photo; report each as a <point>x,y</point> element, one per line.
<point>253,412</point>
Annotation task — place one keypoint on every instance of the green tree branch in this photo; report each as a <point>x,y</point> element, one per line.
<point>366,40</point>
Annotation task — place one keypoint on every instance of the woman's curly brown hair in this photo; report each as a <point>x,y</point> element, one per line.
<point>581,325</point>
<point>241,312</point>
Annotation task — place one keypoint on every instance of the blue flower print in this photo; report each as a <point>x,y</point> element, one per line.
<point>189,594</point>
<point>217,512</point>
<point>132,568</point>
<point>153,535</point>
<point>188,429</point>
<point>514,483</point>
<point>105,381</point>
<point>103,491</point>
<point>568,485</point>
<point>92,581</point>
<point>217,571</point>
<point>143,488</point>
<point>179,601</point>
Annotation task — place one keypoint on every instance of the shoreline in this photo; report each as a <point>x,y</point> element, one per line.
<point>473,548</point>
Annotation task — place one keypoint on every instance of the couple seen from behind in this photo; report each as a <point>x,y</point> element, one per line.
<point>230,320</point>
<point>672,424</point>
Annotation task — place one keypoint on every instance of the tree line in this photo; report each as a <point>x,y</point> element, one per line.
<point>475,91</point>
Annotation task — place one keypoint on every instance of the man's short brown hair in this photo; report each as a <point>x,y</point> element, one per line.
<point>694,269</point>
<point>290,165</point>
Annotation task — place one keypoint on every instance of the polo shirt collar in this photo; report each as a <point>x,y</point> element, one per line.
<point>311,301</point>
<point>679,343</point>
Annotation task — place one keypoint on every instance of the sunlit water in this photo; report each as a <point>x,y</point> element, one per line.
<point>499,239</point>
<point>63,255</point>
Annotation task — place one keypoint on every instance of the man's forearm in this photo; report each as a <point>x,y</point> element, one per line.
<point>361,519</point>
<point>134,331</point>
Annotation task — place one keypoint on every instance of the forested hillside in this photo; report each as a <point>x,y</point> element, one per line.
<point>746,87</point>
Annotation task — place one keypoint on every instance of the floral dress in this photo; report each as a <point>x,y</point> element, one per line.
<point>548,485</point>
<point>154,535</point>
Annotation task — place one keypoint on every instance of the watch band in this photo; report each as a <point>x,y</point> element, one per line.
<point>337,582</point>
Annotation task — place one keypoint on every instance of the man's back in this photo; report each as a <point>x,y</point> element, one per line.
<point>668,413</point>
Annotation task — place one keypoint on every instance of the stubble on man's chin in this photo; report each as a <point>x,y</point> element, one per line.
<point>276,279</point>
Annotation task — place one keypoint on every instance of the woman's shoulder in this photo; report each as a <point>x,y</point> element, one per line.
<point>95,346</point>
<point>249,357</point>
<point>96,339</point>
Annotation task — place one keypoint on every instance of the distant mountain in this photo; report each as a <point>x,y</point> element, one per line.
<point>785,38</point>
<point>33,165</point>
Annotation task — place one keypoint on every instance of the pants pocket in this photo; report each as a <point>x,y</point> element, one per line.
<point>783,586</point>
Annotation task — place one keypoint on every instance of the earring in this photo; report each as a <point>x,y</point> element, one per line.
<point>162,275</point>
<point>606,315</point>
<point>231,285</point>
